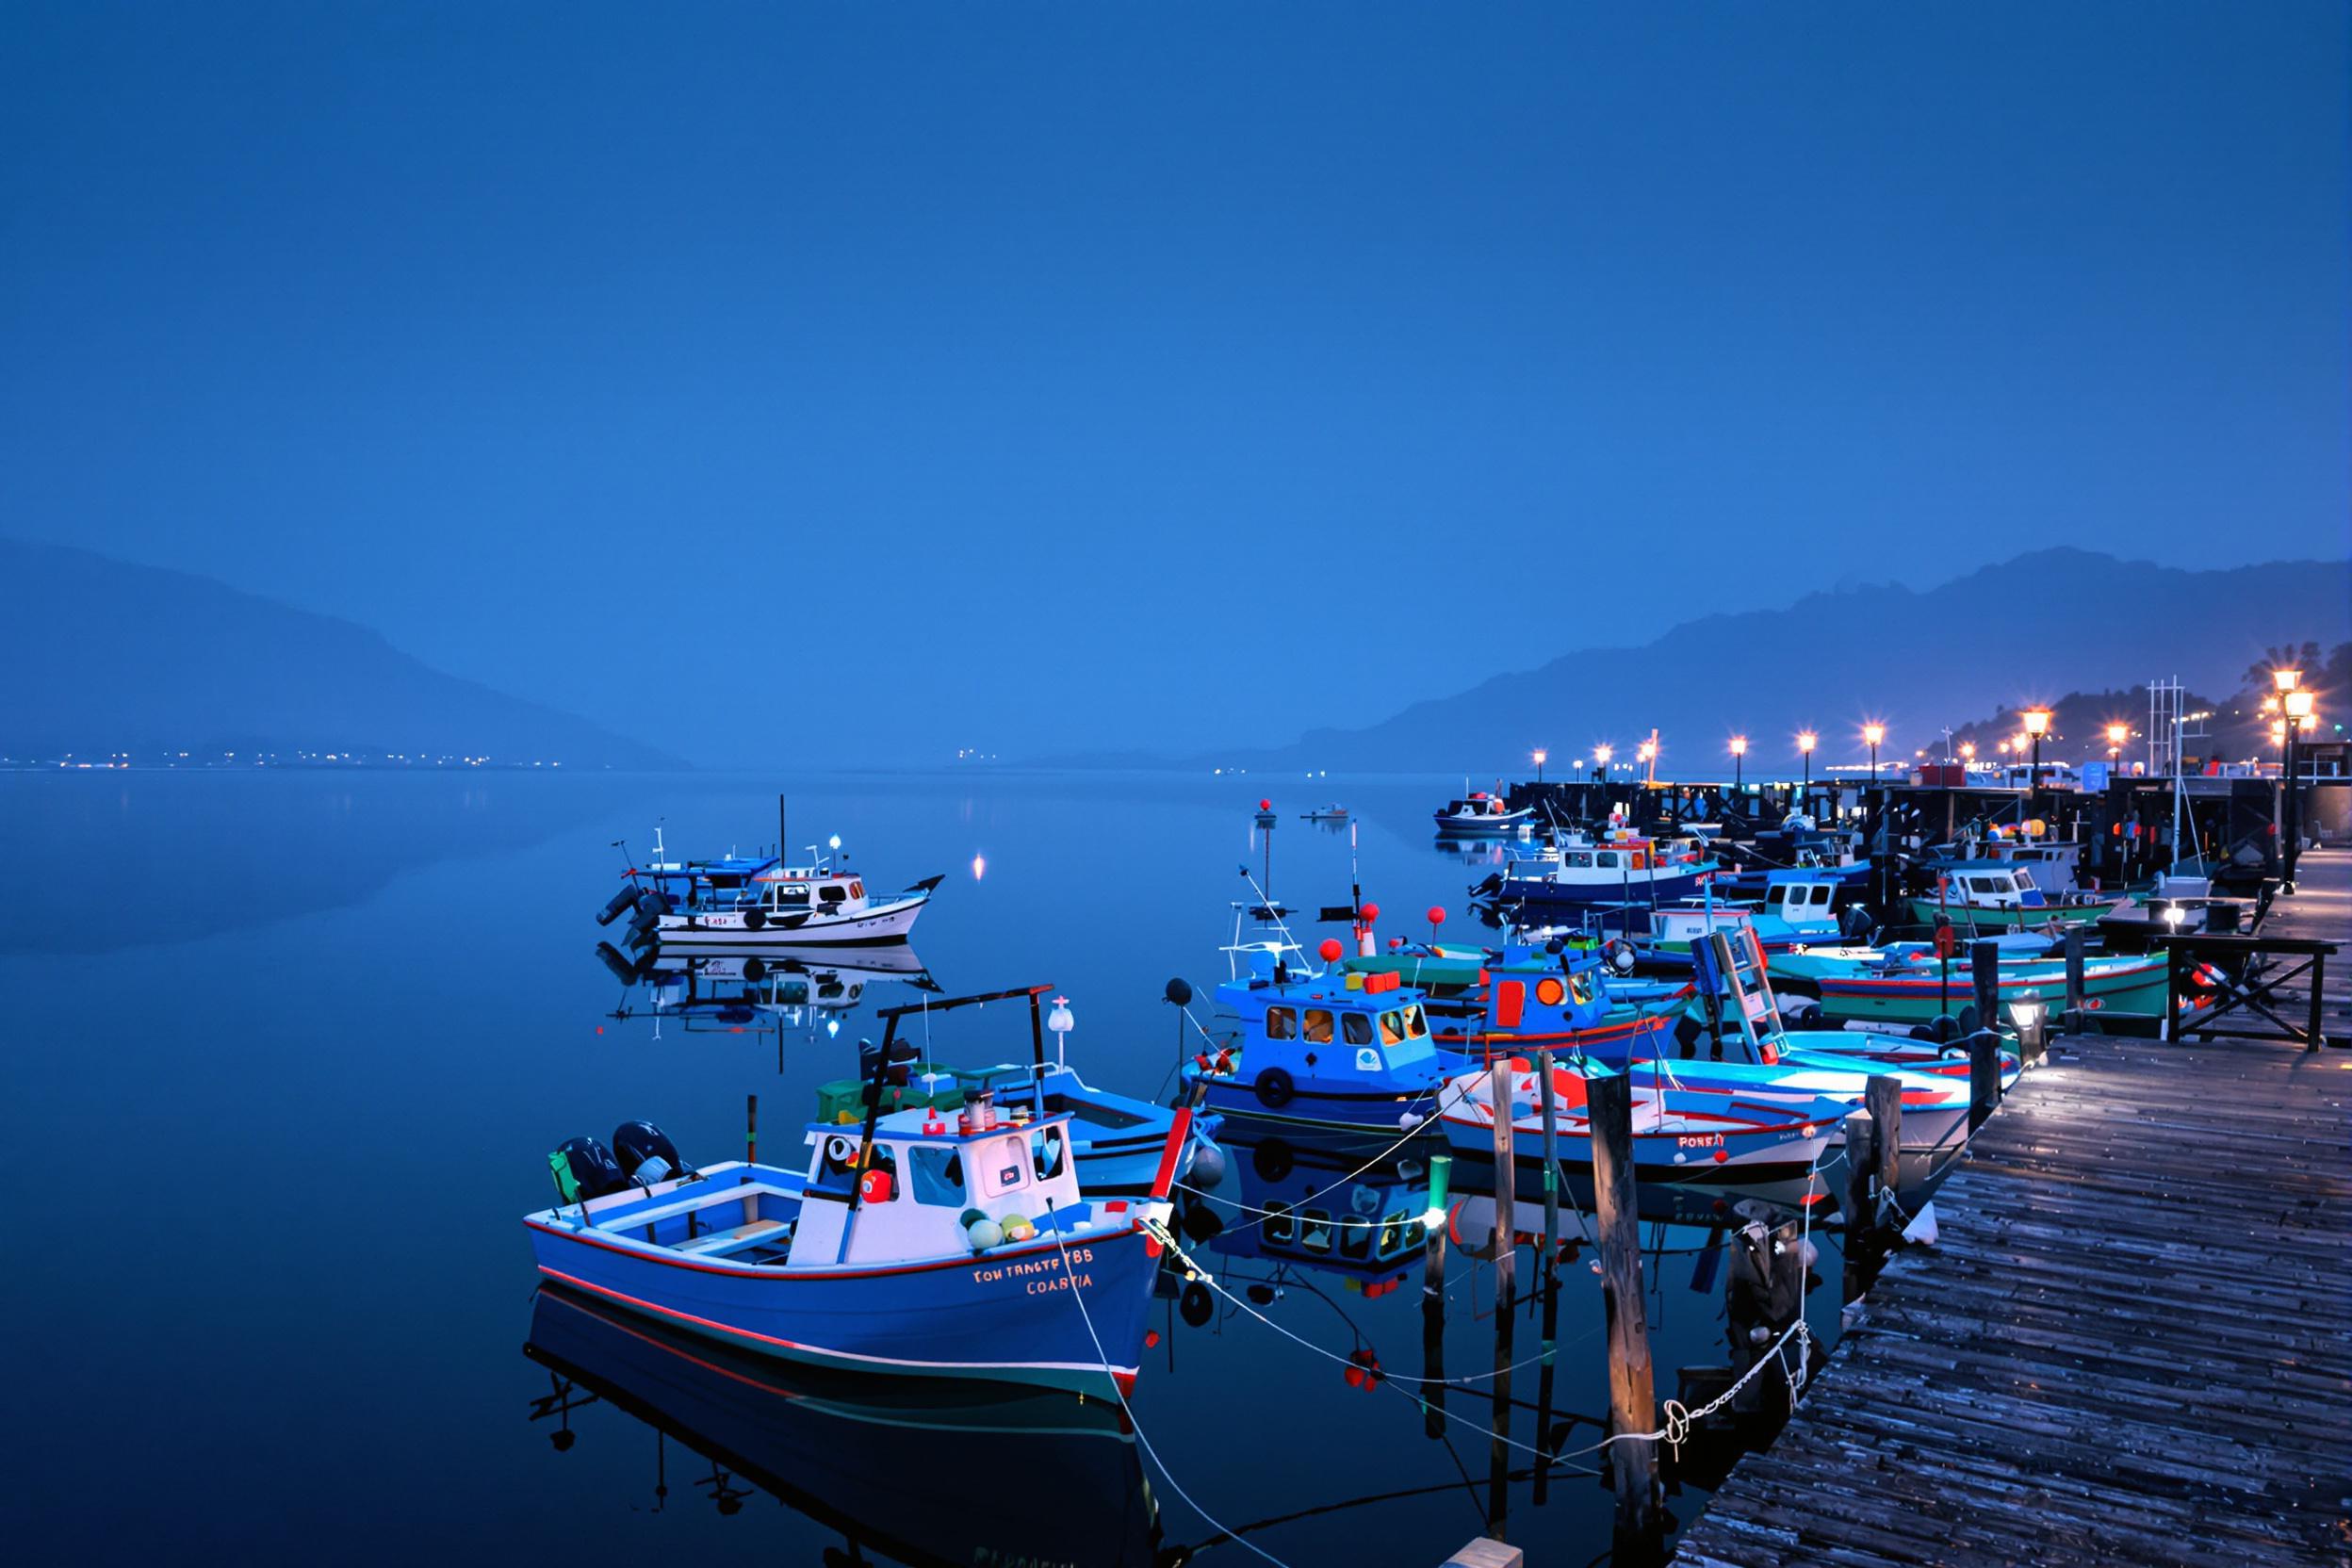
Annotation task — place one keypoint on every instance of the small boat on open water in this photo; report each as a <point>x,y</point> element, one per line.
<point>751,901</point>
<point>1478,814</point>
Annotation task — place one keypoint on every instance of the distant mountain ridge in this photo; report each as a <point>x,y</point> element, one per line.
<point>2026,630</point>
<point>99,655</point>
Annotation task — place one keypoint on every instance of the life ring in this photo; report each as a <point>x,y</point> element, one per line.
<point>755,971</point>
<point>1274,1089</point>
<point>755,920</point>
<point>1272,1159</point>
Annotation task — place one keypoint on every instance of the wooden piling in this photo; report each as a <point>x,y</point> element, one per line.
<point>1883,1094</point>
<point>2076,938</point>
<point>1983,1077</point>
<point>751,1129</point>
<point>1506,1297</point>
<point>1632,1398</point>
<point>1984,980</point>
<point>1550,1264</point>
<point>1433,1332</point>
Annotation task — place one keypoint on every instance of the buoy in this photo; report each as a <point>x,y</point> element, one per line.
<point>1329,949</point>
<point>984,1234</point>
<point>1208,1166</point>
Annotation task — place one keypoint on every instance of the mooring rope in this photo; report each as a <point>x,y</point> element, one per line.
<point>1174,1485</point>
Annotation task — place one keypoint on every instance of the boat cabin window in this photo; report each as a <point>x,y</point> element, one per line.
<point>1580,988</point>
<point>1002,1166</point>
<point>1281,1023</point>
<point>1355,1238</point>
<point>1318,1026</point>
<point>938,1175</point>
<point>795,896</point>
<point>856,890</point>
<point>1392,1028</point>
<point>1045,1152</point>
<point>1396,1230</point>
<point>1282,1226</point>
<point>1606,857</point>
<point>1356,1028</point>
<point>1314,1232</point>
<point>832,892</point>
<point>1987,884</point>
<point>1576,857</point>
<point>2025,881</point>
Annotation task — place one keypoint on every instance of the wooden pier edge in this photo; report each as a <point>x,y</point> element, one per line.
<point>2133,1343</point>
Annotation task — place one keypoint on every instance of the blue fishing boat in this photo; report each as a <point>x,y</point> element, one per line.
<point>1117,1139</point>
<point>1327,1049</point>
<point>1797,908</point>
<point>1536,998</point>
<point>1580,875</point>
<point>916,1247</point>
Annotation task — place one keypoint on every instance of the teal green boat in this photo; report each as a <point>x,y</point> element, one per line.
<point>1903,982</point>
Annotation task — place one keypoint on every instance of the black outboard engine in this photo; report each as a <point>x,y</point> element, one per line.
<point>622,900</point>
<point>900,1070</point>
<point>646,1154</point>
<point>584,1168</point>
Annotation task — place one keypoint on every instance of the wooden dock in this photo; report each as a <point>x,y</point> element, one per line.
<point>2133,1343</point>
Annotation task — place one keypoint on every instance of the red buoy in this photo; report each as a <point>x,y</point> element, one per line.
<point>1370,913</point>
<point>1330,950</point>
<point>1265,805</point>
<point>1437,916</point>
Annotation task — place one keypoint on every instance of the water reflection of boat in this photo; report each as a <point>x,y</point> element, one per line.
<point>770,988</point>
<point>918,1472</point>
<point>1328,1204</point>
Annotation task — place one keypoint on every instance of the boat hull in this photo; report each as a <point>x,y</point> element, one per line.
<point>1007,1316</point>
<point>1540,896</point>
<point>887,922</point>
<point>1764,1154</point>
<point>2015,918</point>
<point>1918,994</point>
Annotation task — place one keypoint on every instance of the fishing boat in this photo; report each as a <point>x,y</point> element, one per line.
<point>1621,869</point>
<point>1435,968</point>
<point>2051,863</point>
<point>2001,896</point>
<point>1351,1210</point>
<point>719,989</point>
<point>1328,1049</point>
<point>1117,1139</point>
<point>1679,1135</point>
<point>1334,812</point>
<point>1799,844</point>
<point>1481,814</point>
<point>916,1247</point>
<point>739,901</point>
<point>839,1449</point>
<point>1798,907</point>
<point>1907,982</point>
<point>1562,1001</point>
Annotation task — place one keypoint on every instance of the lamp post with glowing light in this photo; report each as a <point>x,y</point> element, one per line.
<point>1967,755</point>
<point>1872,735</point>
<point>1806,739</point>
<point>1541,755</point>
<point>1880,852</point>
<point>2036,726</point>
<point>2295,706</point>
<point>1739,761</point>
<point>1600,761</point>
<point>2117,735</point>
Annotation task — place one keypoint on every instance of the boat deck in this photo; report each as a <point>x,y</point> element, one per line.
<point>2133,1343</point>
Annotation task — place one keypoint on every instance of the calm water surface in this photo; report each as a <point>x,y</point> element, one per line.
<point>284,1053</point>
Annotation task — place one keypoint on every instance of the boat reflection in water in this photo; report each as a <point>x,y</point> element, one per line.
<point>796,991</point>
<point>845,1450</point>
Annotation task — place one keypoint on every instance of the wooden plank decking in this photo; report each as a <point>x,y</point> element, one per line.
<point>2132,1343</point>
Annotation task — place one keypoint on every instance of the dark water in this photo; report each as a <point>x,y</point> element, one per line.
<point>284,1056</point>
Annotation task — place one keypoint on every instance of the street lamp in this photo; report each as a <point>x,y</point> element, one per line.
<point>1739,761</point>
<point>1600,761</point>
<point>2036,726</point>
<point>2117,735</point>
<point>1540,756</point>
<point>1806,739</point>
<point>2296,704</point>
<point>1967,754</point>
<point>1873,734</point>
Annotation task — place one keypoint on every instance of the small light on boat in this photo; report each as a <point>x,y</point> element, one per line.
<point>979,867</point>
<point>832,1027</point>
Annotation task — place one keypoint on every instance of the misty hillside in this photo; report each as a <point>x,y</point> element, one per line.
<point>2028,630</point>
<point>100,656</point>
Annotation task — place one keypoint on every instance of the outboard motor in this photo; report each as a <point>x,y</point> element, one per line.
<point>646,1154</point>
<point>584,1168</point>
<point>900,1070</point>
<point>1854,922</point>
<point>651,904</point>
<point>624,971</point>
<point>622,900</point>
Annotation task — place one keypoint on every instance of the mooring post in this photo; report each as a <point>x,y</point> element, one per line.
<point>1859,1203</point>
<point>1632,1398</point>
<point>1506,1296</point>
<point>1985,979</point>
<point>1551,1264</point>
<point>1883,1094</point>
<point>1983,1077</point>
<point>2076,937</point>
<point>1433,1298</point>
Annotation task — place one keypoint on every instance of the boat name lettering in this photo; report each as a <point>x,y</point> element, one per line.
<point>1700,1140</point>
<point>1017,1270</point>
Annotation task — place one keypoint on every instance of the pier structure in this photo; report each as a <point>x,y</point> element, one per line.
<point>2131,1342</point>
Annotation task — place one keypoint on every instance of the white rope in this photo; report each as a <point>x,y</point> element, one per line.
<point>1418,1128</point>
<point>1080,1297</point>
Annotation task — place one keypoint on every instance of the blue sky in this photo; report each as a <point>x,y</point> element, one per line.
<point>878,379</point>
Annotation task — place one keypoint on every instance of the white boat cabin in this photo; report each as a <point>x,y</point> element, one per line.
<point>924,1185</point>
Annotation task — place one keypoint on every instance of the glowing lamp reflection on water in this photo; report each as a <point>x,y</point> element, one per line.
<point>979,867</point>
